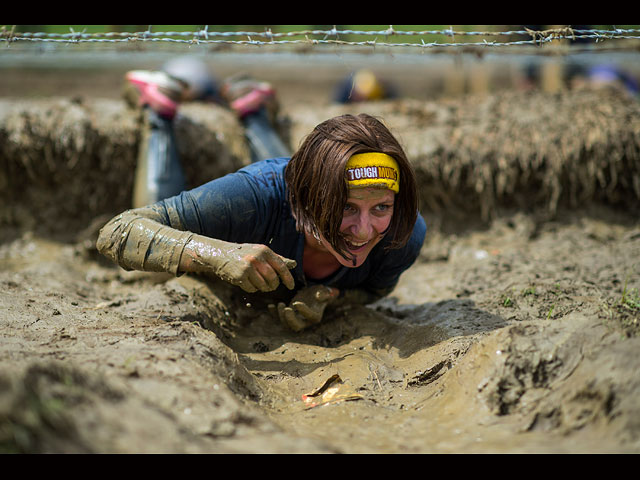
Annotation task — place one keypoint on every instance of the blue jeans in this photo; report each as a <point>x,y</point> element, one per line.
<point>264,142</point>
<point>159,173</point>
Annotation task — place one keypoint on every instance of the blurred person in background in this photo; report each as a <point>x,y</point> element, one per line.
<point>363,86</point>
<point>603,76</point>
<point>159,93</point>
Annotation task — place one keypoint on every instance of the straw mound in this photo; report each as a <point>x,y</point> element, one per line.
<point>536,151</point>
<point>72,160</point>
<point>530,151</point>
<point>65,162</point>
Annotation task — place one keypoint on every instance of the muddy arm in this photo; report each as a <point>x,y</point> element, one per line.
<point>308,306</point>
<point>139,240</point>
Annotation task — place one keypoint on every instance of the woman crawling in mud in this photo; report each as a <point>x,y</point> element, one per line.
<point>337,222</point>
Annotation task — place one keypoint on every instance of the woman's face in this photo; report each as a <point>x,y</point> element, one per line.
<point>367,215</point>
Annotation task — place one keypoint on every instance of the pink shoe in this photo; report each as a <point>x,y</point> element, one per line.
<point>253,100</point>
<point>247,96</point>
<point>157,90</point>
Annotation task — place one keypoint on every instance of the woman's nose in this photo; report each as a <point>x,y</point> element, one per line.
<point>362,227</point>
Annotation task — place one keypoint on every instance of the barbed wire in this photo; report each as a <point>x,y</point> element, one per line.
<point>326,37</point>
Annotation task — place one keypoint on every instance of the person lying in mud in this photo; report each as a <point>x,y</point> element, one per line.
<point>158,95</point>
<point>336,222</point>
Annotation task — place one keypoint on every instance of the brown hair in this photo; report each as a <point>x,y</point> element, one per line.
<point>318,190</point>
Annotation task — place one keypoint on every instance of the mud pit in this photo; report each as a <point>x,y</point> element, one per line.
<point>515,332</point>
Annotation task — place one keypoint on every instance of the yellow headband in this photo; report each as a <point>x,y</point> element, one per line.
<point>373,169</point>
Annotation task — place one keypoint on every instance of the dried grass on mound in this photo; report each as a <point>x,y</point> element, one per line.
<point>63,162</point>
<point>515,150</point>
<point>536,151</point>
<point>61,159</point>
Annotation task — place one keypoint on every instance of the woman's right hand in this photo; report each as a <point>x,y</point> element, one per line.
<point>306,308</point>
<point>252,267</point>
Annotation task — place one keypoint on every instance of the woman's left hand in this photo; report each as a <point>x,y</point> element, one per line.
<point>307,307</point>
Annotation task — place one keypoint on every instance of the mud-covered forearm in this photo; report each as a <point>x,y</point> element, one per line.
<point>308,305</point>
<point>138,240</point>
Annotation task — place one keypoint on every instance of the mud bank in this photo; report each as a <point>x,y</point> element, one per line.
<point>515,332</point>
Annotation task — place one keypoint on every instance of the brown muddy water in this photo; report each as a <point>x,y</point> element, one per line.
<point>515,332</point>
<point>510,344</point>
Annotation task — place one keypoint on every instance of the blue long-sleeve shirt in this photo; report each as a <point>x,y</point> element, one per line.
<point>251,206</point>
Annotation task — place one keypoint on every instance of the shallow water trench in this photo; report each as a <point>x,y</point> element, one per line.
<point>435,369</point>
<point>506,343</point>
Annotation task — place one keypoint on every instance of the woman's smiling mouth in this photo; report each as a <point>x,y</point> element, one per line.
<point>355,246</point>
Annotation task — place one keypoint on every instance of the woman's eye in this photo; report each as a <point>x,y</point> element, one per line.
<point>384,207</point>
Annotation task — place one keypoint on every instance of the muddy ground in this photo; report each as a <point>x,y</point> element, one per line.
<point>515,332</point>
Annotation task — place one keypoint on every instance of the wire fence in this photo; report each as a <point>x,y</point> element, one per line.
<point>571,39</point>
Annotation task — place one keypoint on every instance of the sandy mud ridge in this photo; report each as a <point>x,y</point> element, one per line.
<point>515,332</point>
